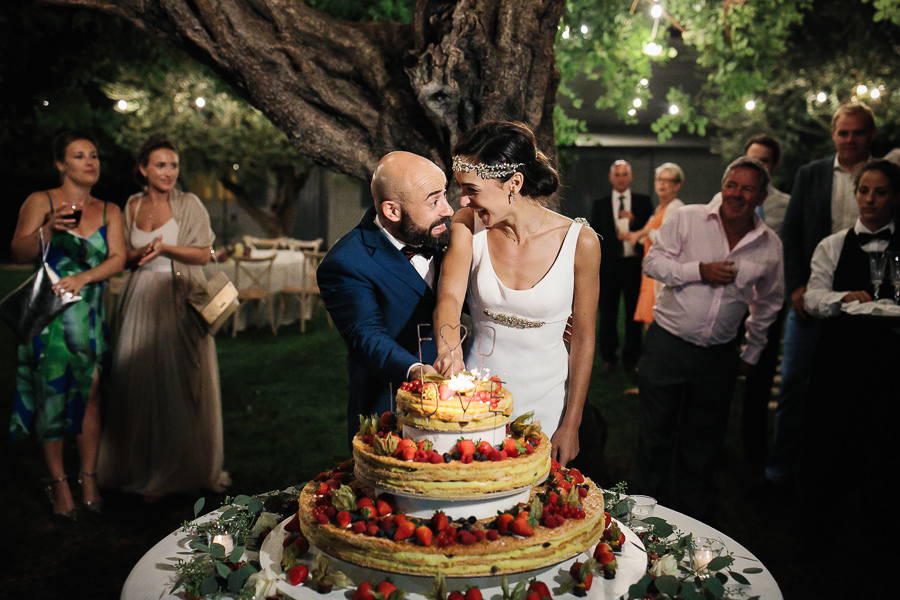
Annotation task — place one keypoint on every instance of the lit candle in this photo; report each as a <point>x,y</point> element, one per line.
<point>702,558</point>
<point>226,541</point>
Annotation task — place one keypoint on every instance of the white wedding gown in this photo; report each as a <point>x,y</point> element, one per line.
<point>528,350</point>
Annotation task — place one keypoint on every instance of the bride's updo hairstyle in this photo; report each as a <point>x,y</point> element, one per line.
<point>506,143</point>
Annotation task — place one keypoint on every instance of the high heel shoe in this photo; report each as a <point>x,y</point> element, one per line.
<point>70,515</point>
<point>96,505</point>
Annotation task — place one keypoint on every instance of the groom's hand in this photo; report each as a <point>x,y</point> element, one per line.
<point>419,371</point>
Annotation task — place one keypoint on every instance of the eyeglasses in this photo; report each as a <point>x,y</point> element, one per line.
<point>667,180</point>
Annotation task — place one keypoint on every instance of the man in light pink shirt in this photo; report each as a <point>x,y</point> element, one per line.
<point>717,261</point>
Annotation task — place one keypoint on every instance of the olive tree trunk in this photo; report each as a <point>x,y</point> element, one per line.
<point>347,93</point>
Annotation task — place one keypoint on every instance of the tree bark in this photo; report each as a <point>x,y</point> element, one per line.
<point>348,93</point>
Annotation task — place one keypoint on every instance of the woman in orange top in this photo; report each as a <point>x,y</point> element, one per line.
<point>668,181</point>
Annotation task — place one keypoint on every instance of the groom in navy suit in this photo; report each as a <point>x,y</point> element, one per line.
<point>379,281</point>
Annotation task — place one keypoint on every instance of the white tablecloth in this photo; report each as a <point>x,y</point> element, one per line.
<point>153,577</point>
<point>289,269</point>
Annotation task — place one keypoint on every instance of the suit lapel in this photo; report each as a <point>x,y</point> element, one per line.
<point>386,256</point>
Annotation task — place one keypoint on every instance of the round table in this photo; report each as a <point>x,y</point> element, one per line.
<point>153,577</point>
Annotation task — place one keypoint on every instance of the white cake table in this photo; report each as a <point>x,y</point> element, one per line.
<point>153,577</point>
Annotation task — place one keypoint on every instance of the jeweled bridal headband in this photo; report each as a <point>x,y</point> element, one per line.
<point>485,171</point>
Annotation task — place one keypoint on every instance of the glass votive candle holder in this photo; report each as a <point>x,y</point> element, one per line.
<point>703,551</point>
<point>641,509</point>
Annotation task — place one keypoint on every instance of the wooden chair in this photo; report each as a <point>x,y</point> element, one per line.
<point>254,283</point>
<point>308,293</point>
<point>255,243</point>
<point>305,245</point>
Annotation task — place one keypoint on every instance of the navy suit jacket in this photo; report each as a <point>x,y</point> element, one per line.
<point>602,222</point>
<point>376,299</point>
<point>807,220</point>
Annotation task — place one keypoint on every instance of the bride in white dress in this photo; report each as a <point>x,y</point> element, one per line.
<point>522,270</point>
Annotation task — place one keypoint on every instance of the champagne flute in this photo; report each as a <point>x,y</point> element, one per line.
<point>893,260</point>
<point>876,270</point>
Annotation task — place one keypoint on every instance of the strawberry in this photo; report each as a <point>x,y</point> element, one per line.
<point>503,522</point>
<point>423,535</point>
<point>465,447</point>
<point>540,588</point>
<point>456,595</point>
<point>302,545</point>
<point>511,447</point>
<point>425,445</point>
<point>473,593</point>
<point>576,475</point>
<point>359,527</point>
<point>298,574</point>
<point>445,392</point>
<point>364,501</point>
<point>601,549</point>
<point>521,527</point>
<point>364,592</point>
<point>440,521</point>
<point>404,444</point>
<point>484,447</point>
<point>606,558</point>
<point>385,588</point>
<point>344,519</point>
<point>404,531</point>
<point>408,454</point>
<point>387,419</point>
<point>293,525</point>
<point>608,518</point>
<point>383,508</point>
<point>435,458</point>
<point>533,596</point>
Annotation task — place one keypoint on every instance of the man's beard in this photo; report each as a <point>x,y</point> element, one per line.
<point>421,236</point>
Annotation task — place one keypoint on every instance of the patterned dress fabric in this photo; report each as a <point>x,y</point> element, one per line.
<point>54,371</point>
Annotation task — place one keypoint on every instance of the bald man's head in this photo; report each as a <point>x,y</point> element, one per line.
<point>410,195</point>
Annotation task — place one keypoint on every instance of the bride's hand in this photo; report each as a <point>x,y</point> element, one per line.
<point>450,362</point>
<point>564,445</point>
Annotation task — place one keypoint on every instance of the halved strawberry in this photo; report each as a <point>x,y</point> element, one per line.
<point>503,522</point>
<point>293,525</point>
<point>385,588</point>
<point>404,531</point>
<point>424,535</point>
<point>521,527</point>
<point>445,392</point>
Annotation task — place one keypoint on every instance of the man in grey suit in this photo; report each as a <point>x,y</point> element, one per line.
<point>822,202</point>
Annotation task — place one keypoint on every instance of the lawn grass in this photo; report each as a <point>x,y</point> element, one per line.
<point>283,404</point>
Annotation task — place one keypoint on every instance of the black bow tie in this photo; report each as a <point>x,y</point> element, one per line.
<point>410,251</point>
<point>865,238</point>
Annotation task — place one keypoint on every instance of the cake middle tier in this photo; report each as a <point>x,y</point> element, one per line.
<point>454,480</point>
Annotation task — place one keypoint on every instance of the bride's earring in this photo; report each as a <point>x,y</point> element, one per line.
<point>512,196</point>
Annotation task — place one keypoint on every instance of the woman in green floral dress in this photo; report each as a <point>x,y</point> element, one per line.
<point>58,373</point>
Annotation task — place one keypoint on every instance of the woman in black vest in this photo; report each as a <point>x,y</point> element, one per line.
<point>853,385</point>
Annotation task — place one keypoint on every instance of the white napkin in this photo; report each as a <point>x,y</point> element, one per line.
<point>881,308</point>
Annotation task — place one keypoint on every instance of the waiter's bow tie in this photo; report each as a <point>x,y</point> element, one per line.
<point>410,251</point>
<point>865,238</point>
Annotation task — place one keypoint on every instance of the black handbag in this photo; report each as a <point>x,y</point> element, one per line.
<point>31,306</point>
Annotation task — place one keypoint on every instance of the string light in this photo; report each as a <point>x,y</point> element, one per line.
<point>821,97</point>
<point>673,109</point>
<point>200,102</point>
<point>122,105</point>
<point>632,112</point>
<point>636,103</point>
<point>584,30</point>
<point>652,49</point>
<point>861,90</point>
<point>645,82</point>
<point>750,104</point>
<point>875,94</point>
<point>656,11</point>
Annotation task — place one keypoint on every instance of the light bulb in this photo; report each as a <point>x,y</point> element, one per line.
<point>656,11</point>
<point>673,109</point>
<point>200,102</point>
<point>750,105</point>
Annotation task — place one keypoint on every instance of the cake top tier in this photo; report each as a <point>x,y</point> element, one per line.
<point>467,397</point>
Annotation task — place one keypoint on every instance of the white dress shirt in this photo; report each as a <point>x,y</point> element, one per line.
<point>844,210</point>
<point>622,225</point>
<point>424,266</point>
<point>821,299</point>
<point>708,315</point>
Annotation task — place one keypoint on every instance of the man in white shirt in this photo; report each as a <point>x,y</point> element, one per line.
<point>822,202</point>
<point>717,261</point>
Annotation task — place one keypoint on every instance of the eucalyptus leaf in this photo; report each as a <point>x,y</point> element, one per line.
<point>229,513</point>
<point>255,506</point>
<point>199,545</point>
<point>719,563</point>
<point>209,586</point>
<point>222,569</point>
<point>668,585</point>
<point>739,578</point>
<point>217,551</point>
<point>236,554</point>
<point>238,578</point>
<point>242,500</point>
<point>198,506</point>
<point>713,586</point>
<point>751,570</point>
<point>640,589</point>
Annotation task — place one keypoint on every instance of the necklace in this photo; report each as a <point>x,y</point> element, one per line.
<point>518,240</point>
